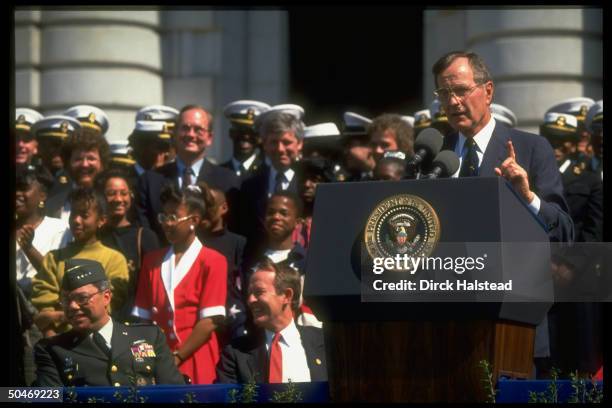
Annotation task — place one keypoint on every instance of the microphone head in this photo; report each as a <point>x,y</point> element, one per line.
<point>429,139</point>
<point>448,161</point>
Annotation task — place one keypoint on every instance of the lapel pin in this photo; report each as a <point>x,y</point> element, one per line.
<point>318,361</point>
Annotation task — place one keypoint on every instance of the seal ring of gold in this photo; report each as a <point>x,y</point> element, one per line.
<point>426,223</point>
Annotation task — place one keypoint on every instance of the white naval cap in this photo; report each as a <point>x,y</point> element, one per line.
<point>436,112</point>
<point>244,112</point>
<point>90,117</point>
<point>574,106</point>
<point>55,126</point>
<point>559,124</point>
<point>594,117</point>
<point>422,119</point>
<point>295,110</point>
<point>119,147</point>
<point>321,130</point>
<point>121,152</point>
<point>408,119</point>
<point>355,124</point>
<point>503,114</point>
<point>160,113</point>
<point>25,118</point>
<point>148,128</point>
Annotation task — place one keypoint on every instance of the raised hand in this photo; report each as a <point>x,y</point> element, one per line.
<point>515,174</point>
<point>25,236</point>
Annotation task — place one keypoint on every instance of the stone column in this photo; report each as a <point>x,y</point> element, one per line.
<point>212,57</point>
<point>27,58</point>
<point>107,58</point>
<point>537,56</point>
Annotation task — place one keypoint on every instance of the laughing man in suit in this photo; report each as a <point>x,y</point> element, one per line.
<point>280,351</point>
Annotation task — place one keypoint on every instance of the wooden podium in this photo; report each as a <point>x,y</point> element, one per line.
<point>418,351</point>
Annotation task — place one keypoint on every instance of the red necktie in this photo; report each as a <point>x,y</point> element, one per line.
<point>276,361</point>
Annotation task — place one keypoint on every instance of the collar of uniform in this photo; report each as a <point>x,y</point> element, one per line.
<point>564,166</point>
<point>139,169</point>
<point>107,332</point>
<point>247,163</point>
<point>481,138</point>
<point>180,164</point>
<point>289,173</point>
<point>277,255</point>
<point>290,336</point>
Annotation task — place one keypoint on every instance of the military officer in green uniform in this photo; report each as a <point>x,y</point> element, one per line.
<point>100,351</point>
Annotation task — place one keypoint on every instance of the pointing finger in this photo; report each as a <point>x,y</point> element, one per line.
<point>511,153</point>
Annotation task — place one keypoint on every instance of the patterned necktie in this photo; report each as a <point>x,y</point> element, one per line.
<point>278,186</point>
<point>469,166</point>
<point>101,343</point>
<point>187,173</point>
<point>276,361</point>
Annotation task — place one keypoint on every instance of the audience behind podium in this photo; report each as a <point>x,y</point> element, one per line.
<point>214,234</point>
<point>36,235</point>
<point>120,232</point>
<point>391,167</point>
<point>390,132</point>
<point>86,218</point>
<point>277,350</point>
<point>183,287</point>
<point>269,215</point>
<point>314,171</point>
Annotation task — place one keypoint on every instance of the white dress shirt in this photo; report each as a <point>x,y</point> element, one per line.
<point>289,173</point>
<point>246,164</point>
<point>295,364</point>
<point>106,332</point>
<point>277,255</point>
<point>181,170</point>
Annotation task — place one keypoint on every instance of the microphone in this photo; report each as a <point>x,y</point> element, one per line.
<point>427,145</point>
<point>445,164</point>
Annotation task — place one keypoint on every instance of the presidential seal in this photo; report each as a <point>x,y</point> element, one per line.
<point>402,225</point>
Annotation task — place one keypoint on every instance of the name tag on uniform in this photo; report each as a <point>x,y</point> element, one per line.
<point>142,351</point>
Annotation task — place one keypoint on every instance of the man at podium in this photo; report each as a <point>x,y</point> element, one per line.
<point>487,148</point>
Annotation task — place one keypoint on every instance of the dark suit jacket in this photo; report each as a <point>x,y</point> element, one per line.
<point>246,359</point>
<point>253,200</point>
<point>257,163</point>
<point>584,194</point>
<point>73,359</point>
<point>535,155</point>
<point>151,183</point>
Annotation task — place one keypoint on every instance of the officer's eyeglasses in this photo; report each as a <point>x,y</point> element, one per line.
<point>197,129</point>
<point>81,299</point>
<point>171,219</point>
<point>460,92</point>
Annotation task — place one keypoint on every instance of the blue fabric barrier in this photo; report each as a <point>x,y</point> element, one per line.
<point>311,392</point>
<point>518,390</point>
